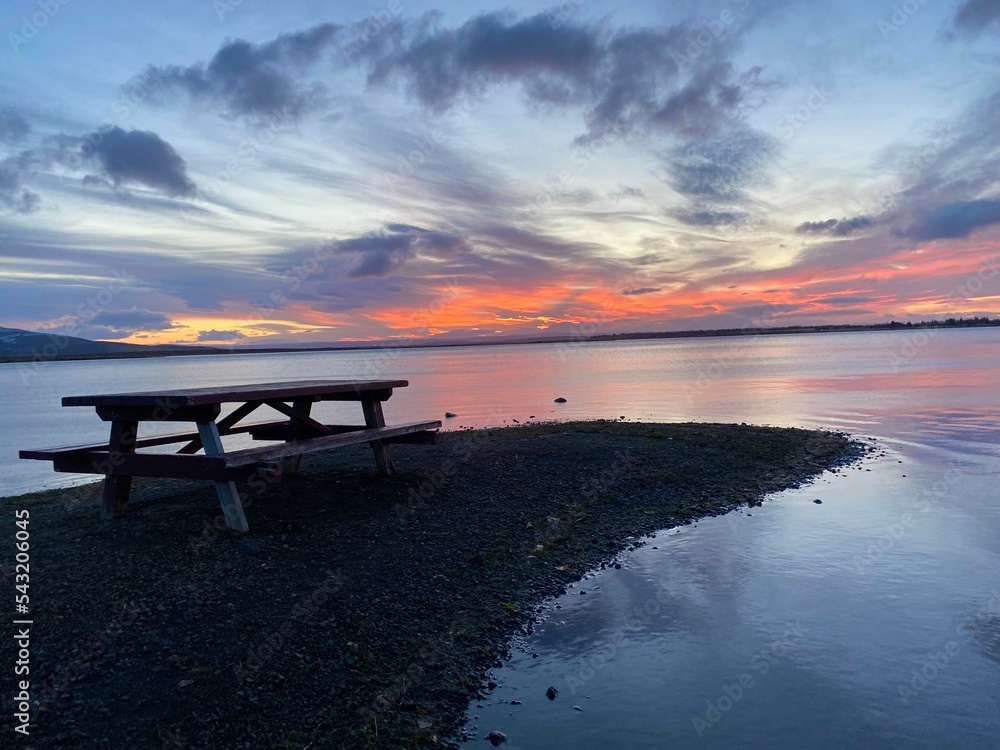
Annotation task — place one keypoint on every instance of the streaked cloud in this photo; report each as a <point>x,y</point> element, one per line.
<point>835,227</point>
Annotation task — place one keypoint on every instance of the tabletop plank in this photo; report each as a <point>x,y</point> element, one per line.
<point>234,393</point>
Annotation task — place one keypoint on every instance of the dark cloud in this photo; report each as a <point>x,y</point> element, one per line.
<point>441,65</point>
<point>138,156</point>
<point>641,290</point>
<point>214,335</point>
<point>706,218</point>
<point>819,227</point>
<point>253,80</point>
<point>958,219</point>
<point>720,170</point>
<point>625,191</point>
<point>132,320</point>
<point>625,80</point>
<point>16,173</point>
<point>14,194</point>
<point>13,126</point>
<point>379,253</point>
<point>958,162</point>
<point>835,227</point>
<point>974,16</point>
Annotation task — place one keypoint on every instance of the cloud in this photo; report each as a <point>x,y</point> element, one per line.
<point>379,253</point>
<point>625,80</point>
<point>138,156</point>
<point>707,218</point>
<point>441,65</point>
<point>132,320</point>
<point>625,191</point>
<point>958,219</point>
<point>14,195</point>
<point>214,335</point>
<point>252,80</point>
<point>13,126</point>
<point>835,227</point>
<point>848,299</point>
<point>641,290</point>
<point>720,170</point>
<point>975,16</point>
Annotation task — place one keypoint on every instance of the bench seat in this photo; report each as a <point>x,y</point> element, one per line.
<point>271,453</point>
<point>228,466</point>
<point>49,454</point>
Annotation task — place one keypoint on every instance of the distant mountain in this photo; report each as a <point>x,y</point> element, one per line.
<point>19,344</point>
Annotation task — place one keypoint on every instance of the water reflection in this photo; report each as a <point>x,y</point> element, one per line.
<point>842,601</point>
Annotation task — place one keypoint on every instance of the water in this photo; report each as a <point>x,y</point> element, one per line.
<point>871,620</point>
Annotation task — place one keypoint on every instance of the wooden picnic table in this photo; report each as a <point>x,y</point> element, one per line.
<point>119,461</point>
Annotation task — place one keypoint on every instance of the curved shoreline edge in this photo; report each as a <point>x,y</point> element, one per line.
<point>359,611</point>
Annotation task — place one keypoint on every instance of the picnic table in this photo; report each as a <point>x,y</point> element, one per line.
<point>118,459</point>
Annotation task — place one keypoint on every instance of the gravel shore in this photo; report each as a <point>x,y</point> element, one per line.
<point>359,611</point>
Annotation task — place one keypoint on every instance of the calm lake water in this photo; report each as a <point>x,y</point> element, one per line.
<point>871,620</point>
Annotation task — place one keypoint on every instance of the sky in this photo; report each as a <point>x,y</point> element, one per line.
<point>247,173</point>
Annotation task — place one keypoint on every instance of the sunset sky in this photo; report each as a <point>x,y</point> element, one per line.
<point>252,173</point>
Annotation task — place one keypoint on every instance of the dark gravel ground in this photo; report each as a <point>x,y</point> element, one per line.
<point>359,611</point>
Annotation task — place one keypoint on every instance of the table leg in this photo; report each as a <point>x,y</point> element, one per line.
<point>300,407</point>
<point>229,498</point>
<point>116,486</point>
<point>374,418</point>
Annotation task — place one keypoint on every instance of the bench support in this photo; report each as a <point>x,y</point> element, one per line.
<point>301,408</point>
<point>116,486</point>
<point>373,419</point>
<point>229,498</point>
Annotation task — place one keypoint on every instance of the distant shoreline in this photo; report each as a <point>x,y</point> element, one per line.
<point>570,339</point>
